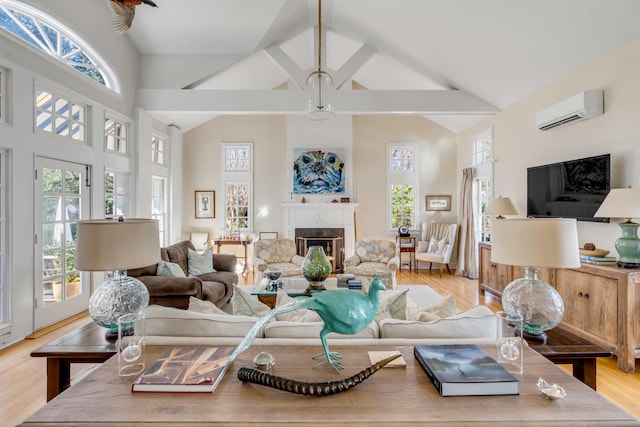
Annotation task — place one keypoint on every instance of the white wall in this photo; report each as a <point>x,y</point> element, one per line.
<point>518,144</point>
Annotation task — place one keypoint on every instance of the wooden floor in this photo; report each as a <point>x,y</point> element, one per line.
<point>22,378</point>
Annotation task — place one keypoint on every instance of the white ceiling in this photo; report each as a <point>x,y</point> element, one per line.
<point>499,51</point>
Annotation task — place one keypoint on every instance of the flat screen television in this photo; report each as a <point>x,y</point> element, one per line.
<point>571,189</point>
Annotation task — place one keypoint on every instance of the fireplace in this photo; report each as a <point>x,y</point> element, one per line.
<point>330,239</point>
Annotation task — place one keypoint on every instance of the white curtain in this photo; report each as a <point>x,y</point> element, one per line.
<point>467,243</point>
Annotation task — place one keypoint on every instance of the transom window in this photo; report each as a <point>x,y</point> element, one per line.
<point>237,158</point>
<point>56,40</point>
<point>157,150</point>
<point>402,180</point>
<point>115,135</point>
<point>57,114</point>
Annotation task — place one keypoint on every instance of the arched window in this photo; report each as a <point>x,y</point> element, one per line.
<point>56,40</point>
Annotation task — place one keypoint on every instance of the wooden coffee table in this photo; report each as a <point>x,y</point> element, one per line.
<point>392,396</point>
<point>563,347</point>
<point>84,345</point>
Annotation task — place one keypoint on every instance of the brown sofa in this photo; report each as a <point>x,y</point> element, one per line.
<point>175,291</point>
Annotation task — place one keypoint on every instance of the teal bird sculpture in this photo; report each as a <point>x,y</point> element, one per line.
<point>342,311</point>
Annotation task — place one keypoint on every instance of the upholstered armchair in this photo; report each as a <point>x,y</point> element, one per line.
<point>436,245</point>
<point>374,256</point>
<point>276,253</point>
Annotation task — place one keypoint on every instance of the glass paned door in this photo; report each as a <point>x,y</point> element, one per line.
<point>62,199</point>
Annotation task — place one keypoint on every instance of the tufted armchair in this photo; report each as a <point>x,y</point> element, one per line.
<point>374,256</point>
<point>276,253</point>
<point>436,245</point>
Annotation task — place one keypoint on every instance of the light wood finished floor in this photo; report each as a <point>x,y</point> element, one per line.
<point>22,378</point>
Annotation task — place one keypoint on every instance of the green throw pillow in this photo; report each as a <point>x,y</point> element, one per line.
<point>169,269</point>
<point>200,263</point>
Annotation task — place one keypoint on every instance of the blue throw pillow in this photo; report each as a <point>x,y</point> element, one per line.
<point>200,263</point>
<point>169,269</point>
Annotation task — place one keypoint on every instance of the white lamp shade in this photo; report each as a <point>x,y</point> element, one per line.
<point>536,242</point>
<point>620,203</point>
<point>500,206</point>
<point>104,245</point>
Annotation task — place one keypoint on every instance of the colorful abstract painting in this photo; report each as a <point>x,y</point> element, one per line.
<point>317,171</point>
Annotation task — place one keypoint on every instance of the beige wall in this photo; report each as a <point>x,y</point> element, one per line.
<point>201,167</point>
<point>518,144</point>
<point>437,151</point>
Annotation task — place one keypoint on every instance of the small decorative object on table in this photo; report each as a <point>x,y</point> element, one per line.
<point>343,280</point>
<point>355,284</point>
<point>551,391</point>
<point>273,274</point>
<point>316,268</point>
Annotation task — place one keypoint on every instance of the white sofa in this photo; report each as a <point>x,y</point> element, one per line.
<point>171,326</point>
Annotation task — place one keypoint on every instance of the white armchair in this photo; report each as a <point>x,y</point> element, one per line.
<point>436,245</point>
<point>374,257</point>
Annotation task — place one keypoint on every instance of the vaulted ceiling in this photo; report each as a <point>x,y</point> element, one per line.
<point>480,55</point>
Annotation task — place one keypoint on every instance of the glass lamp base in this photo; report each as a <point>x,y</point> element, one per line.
<point>540,305</point>
<point>117,296</point>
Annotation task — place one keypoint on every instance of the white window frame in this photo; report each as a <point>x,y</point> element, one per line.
<point>53,114</point>
<point>483,182</point>
<point>403,177</point>
<point>5,289</point>
<point>50,38</point>
<point>161,215</point>
<point>118,176</point>
<point>235,176</point>
<point>119,122</point>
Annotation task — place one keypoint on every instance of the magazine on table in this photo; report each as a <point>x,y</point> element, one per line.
<point>185,369</point>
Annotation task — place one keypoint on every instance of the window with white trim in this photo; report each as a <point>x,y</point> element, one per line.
<point>116,132</point>
<point>4,288</point>
<point>58,114</point>
<point>56,40</point>
<point>159,204</point>
<point>116,194</point>
<point>237,178</point>
<point>402,184</point>
<point>3,98</point>
<point>158,150</point>
<point>482,182</point>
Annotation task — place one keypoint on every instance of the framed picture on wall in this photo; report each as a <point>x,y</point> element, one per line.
<point>438,203</point>
<point>205,204</point>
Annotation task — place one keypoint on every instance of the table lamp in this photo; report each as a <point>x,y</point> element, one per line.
<point>500,206</point>
<point>117,245</point>
<point>533,243</point>
<point>624,203</point>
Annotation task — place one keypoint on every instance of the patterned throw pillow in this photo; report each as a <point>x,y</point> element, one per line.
<point>200,263</point>
<point>446,307</point>
<point>441,244</point>
<point>393,305</point>
<point>169,269</point>
<point>433,244</point>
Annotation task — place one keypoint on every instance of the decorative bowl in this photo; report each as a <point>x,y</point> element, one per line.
<point>595,252</point>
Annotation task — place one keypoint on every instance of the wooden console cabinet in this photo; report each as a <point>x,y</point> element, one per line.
<point>602,304</point>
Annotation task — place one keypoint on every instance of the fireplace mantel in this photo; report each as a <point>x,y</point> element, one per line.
<point>321,215</point>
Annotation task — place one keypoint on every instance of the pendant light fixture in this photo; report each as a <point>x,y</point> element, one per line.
<point>319,84</point>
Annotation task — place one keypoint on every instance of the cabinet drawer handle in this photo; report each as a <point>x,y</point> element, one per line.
<point>586,296</point>
<point>580,294</point>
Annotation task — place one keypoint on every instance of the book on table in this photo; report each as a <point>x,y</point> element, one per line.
<point>464,370</point>
<point>185,369</point>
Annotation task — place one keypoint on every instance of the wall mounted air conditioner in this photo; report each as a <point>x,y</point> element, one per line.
<point>582,106</point>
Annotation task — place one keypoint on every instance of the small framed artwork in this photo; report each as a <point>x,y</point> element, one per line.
<point>205,204</point>
<point>344,200</point>
<point>438,203</point>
